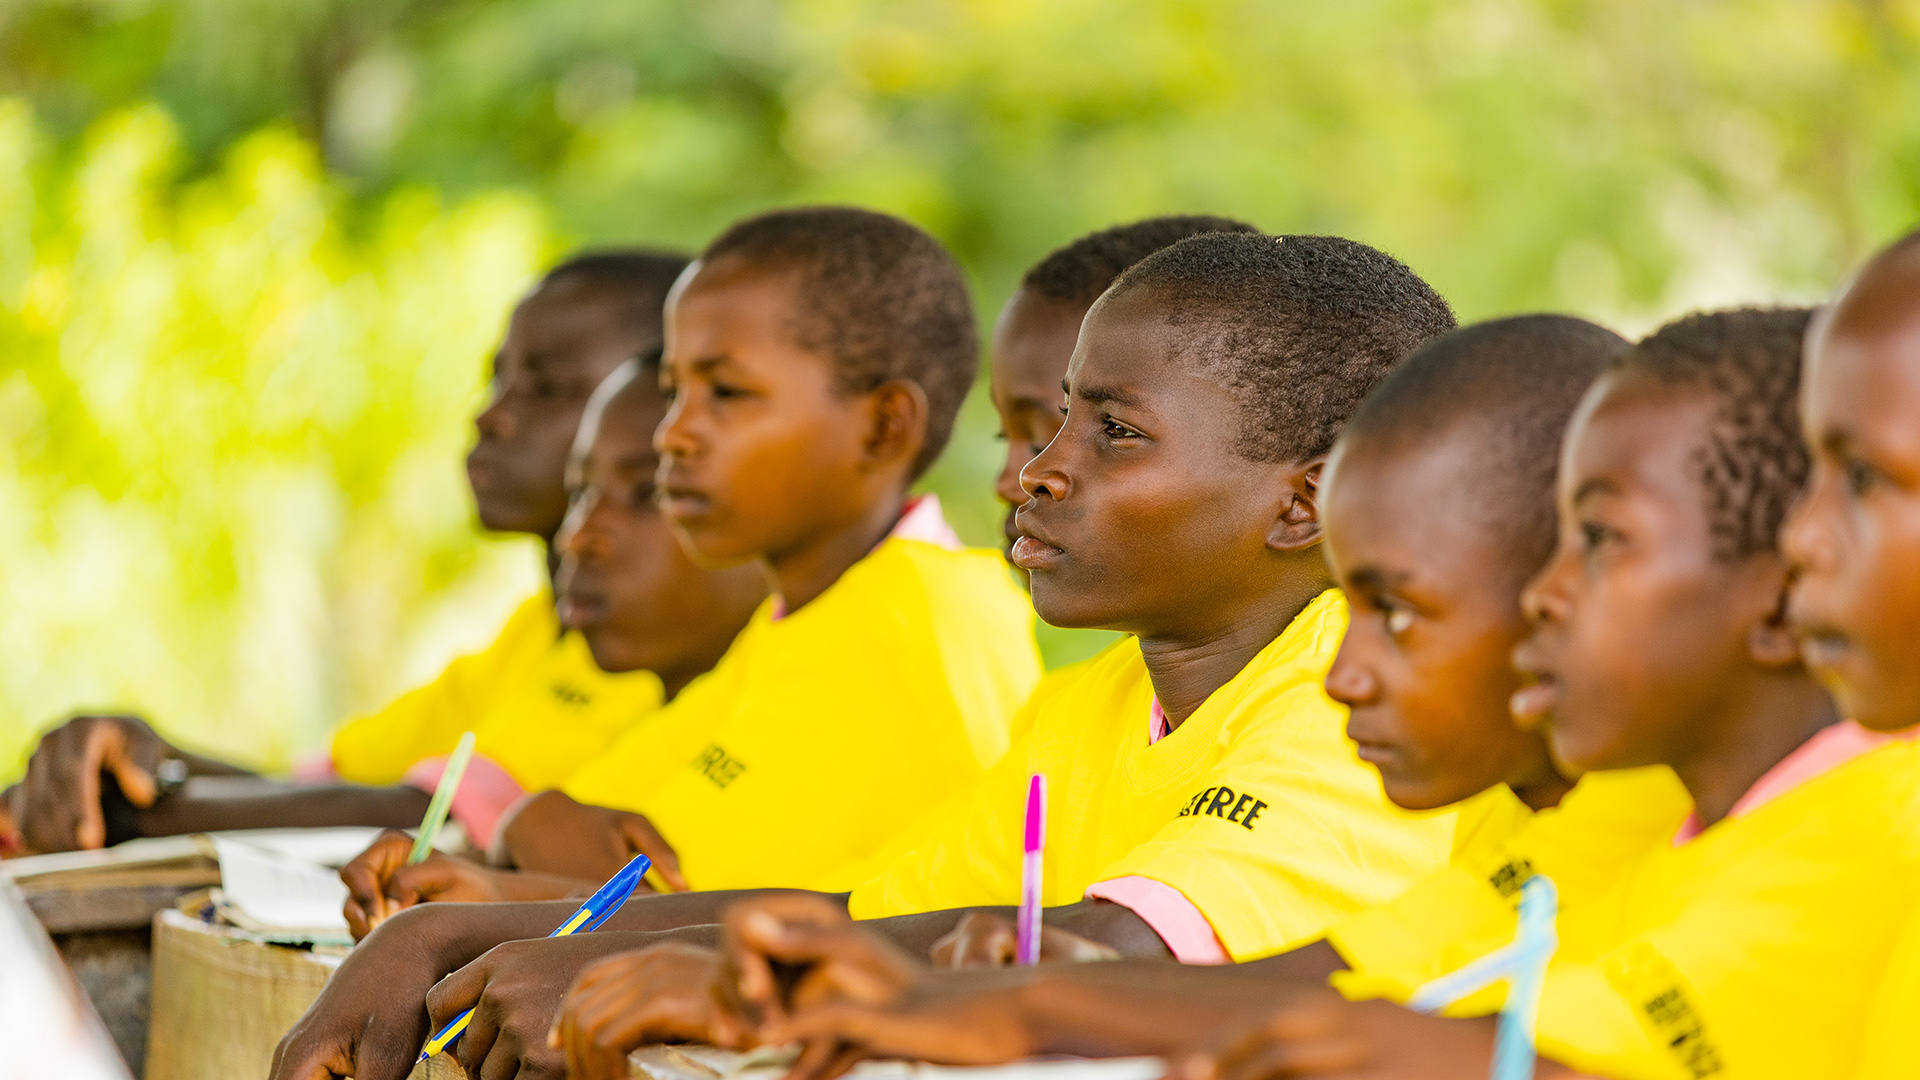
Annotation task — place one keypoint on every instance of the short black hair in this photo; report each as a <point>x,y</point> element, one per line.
<point>1753,463</point>
<point>1298,328</point>
<point>1080,271</point>
<point>1508,387</point>
<point>879,297</point>
<point>636,279</point>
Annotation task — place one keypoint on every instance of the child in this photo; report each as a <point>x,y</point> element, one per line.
<point>1754,942</point>
<point>626,587</point>
<point>537,702</point>
<point>1034,335</point>
<point>1197,767</point>
<point>816,360</point>
<point>1434,586</point>
<point>1854,540</point>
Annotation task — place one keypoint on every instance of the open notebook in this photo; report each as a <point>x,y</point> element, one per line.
<point>280,884</point>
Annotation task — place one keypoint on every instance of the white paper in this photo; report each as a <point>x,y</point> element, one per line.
<point>334,847</point>
<point>279,893</point>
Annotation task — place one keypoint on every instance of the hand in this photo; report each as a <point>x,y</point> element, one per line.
<point>788,953</point>
<point>792,951</point>
<point>380,883</point>
<point>1318,1033</point>
<point>57,805</point>
<point>552,834</point>
<point>11,842</point>
<point>986,939</point>
<point>370,1020</point>
<point>664,993</point>
<point>515,991</point>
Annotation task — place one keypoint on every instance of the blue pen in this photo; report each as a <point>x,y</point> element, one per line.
<point>598,908</point>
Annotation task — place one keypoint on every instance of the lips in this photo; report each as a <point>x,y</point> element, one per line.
<point>578,611</point>
<point>1823,649</point>
<point>1540,691</point>
<point>679,497</point>
<point>1032,550</point>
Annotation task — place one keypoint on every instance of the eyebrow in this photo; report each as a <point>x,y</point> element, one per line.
<point>1597,485</point>
<point>1100,395</point>
<point>1376,578</point>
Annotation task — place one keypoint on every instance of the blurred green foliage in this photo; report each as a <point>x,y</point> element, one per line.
<point>252,252</point>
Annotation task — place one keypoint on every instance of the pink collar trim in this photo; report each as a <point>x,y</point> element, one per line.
<point>1830,748</point>
<point>1157,726</point>
<point>920,519</point>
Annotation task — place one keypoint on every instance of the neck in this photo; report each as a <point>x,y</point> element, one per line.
<point>1187,668</point>
<point>1538,784</point>
<point>800,575</point>
<point>553,561</point>
<point>1756,728</point>
<point>1543,794</point>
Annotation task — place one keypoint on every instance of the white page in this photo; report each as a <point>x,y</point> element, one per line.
<point>280,893</point>
<point>322,847</point>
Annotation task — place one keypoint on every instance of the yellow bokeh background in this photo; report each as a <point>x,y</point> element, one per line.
<point>253,255</point>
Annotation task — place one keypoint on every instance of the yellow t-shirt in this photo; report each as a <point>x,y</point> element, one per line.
<point>1892,1050</point>
<point>537,705</point>
<point>1607,821</point>
<point>822,736</point>
<point>1756,949</point>
<point>1255,808</point>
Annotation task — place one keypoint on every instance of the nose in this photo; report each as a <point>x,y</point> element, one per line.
<point>676,436</point>
<point>583,534</point>
<point>1006,487</point>
<point>496,421</point>
<point>1349,681</point>
<point>1545,598</point>
<point>1804,539</point>
<point>1046,476</point>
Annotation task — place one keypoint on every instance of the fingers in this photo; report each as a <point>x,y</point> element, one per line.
<point>1306,1037</point>
<point>981,939</point>
<point>366,875</point>
<point>83,772</point>
<point>439,878</point>
<point>310,1062</point>
<point>476,1043</point>
<point>824,1061</point>
<point>759,929</point>
<point>640,835</point>
<point>457,993</point>
<point>359,923</point>
<point>1065,946</point>
<point>11,842</point>
<point>132,761</point>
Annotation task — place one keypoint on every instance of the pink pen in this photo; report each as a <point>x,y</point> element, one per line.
<point>1028,943</point>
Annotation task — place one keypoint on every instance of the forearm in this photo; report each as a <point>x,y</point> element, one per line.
<point>1128,1007</point>
<point>200,765</point>
<point>211,804</point>
<point>1109,924</point>
<point>671,911</point>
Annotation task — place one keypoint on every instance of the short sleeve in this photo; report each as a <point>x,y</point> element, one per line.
<point>1284,837</point>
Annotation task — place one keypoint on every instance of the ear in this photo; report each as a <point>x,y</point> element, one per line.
<point>1771,642</point>
<point>1297,526</point>
<point>898,428</point>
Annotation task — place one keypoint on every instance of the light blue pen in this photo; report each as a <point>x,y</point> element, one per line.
<point>598,908</point>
